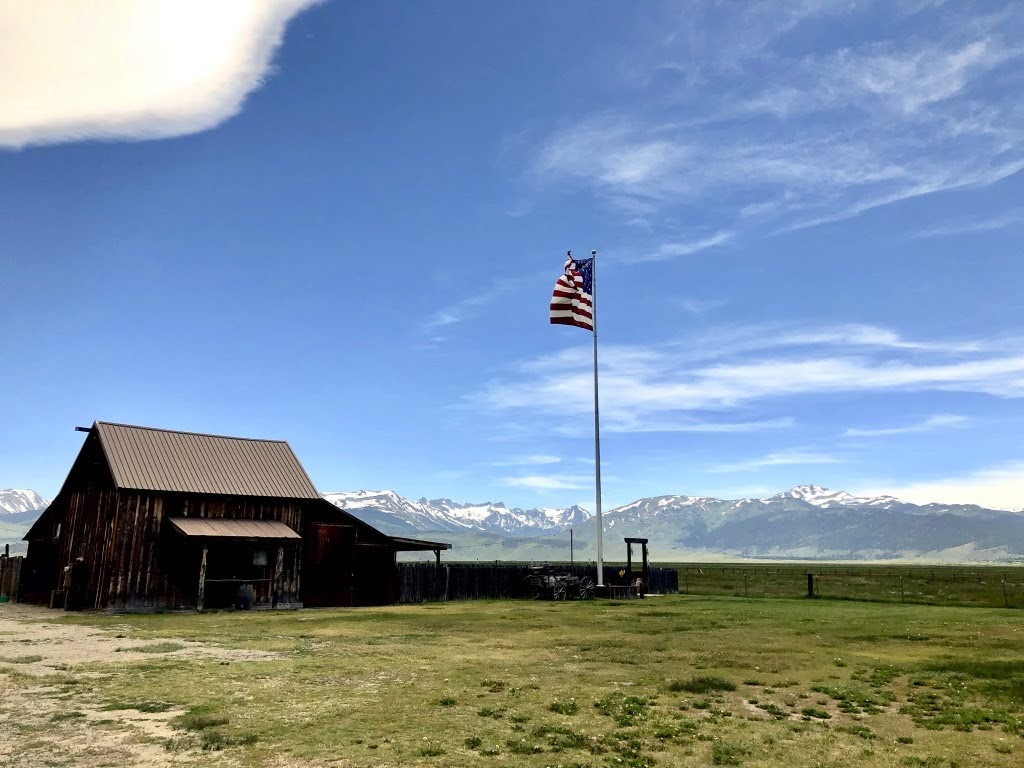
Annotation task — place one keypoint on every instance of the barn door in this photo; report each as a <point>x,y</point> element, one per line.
<point>327,577</point>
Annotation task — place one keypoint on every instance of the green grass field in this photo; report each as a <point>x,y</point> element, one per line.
<point>670,681</point>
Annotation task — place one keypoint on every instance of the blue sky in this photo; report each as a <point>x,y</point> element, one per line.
<point>339,224</point>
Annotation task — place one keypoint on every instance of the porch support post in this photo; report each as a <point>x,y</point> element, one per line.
<point>278,571</point>
<point>644,546</point>
<point>202,580</point>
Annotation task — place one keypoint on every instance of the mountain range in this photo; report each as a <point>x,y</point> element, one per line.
<point>803,523</point>
<point>806,522</point>
<point>396,515</point>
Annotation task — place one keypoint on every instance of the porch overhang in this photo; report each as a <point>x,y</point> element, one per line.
<point>207,528</point>
<point>402,544</point>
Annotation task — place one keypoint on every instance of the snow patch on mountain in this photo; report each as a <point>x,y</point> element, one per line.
<point>17,500</point>
<point>825,498</point>
<point>390,510</point>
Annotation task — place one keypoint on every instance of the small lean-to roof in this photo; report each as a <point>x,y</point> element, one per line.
<point>148,459</point>
<point>218,528</point>
<point>403,544</point>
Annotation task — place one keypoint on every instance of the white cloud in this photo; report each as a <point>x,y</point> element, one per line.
<point>687,248</point>
<point>465,309</point>
<point>522,461</point>
<point>998,487</point>
<point>634,424</point>
<point>777,459</point>
<point>548,482</point>
<point>131,69</point>
<point>699,306</point>
<point>647,389</point>
<point>938,421</point>
<point>761,134</point>
<point>967,226</point>
<point>883,75</point>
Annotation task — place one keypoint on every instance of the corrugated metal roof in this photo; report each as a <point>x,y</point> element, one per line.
<point>233,529</point>
<point>144,458</point>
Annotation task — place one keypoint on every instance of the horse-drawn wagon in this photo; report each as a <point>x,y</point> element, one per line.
<point>549,583</point>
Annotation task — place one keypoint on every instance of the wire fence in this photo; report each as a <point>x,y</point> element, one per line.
<point>1001,587</point>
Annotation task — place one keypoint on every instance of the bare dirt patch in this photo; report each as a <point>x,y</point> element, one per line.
<point>53,719</point>
<point>27,631</point>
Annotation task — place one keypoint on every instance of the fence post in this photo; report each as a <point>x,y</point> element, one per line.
<point>15,565</point>
<point>810,585</point>
<point>901,589</point>
<point>1006,601</point>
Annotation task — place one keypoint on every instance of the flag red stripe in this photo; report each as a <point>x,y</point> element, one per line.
<point>572,311</point>
<point>569,304</point>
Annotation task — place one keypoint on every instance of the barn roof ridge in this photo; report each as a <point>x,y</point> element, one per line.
<point>188,432</point>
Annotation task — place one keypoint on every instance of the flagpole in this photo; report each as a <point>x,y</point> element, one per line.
<point>597,426</point>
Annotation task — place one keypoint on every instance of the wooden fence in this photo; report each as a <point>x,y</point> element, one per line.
<point>10,577</point>
<point>428,583</point>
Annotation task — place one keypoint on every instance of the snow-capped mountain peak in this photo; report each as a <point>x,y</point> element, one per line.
<point>824,497</point>
<point>16,500</point>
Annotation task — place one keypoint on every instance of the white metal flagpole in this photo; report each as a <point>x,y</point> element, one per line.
<point>597,425</point>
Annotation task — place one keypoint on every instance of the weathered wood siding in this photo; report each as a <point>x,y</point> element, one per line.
<point>132,560</point>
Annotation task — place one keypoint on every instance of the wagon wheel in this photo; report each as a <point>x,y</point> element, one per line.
<point>559,593</point>
<point>587,589</point>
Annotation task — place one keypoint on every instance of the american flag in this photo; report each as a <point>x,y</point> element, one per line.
<point>572,302</point>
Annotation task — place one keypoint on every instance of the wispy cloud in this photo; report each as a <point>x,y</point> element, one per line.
<point>883,75</point>
<point>839,131</point>
<point>455,313</point>
<point>548,482</point>
<point>779,458</point>
<point>630,424</point>
<point>673,387</point>
<point>686,248</point>
<point>525,461</point>
<point>939,421</point>
<point>127,70</point>
<point>997,487</point>
<point>433,327</point>
<point>967,226</point>
<point>699,306</point>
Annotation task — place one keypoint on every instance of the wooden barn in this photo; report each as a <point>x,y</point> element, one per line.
<point>161,520</point>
